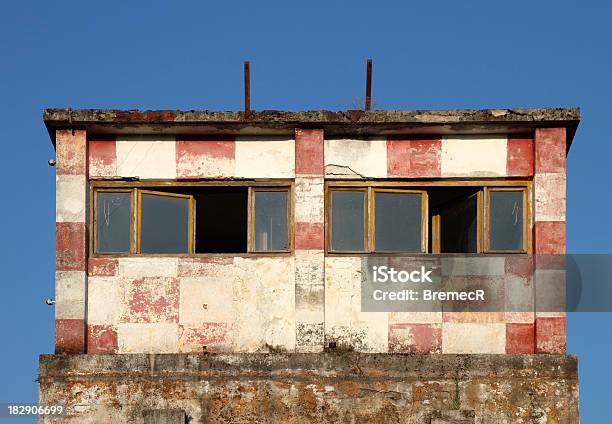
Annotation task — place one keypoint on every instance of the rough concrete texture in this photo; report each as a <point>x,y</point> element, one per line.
<point>194,304</point>
<point>346,158</point>
<point>298,388</point>
<point>341,123</point>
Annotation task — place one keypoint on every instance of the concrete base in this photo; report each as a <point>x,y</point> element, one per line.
<point>296,388</point>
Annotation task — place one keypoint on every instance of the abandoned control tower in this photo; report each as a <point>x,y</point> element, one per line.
<point>209,265</point>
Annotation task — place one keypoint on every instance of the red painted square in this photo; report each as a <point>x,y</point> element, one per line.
<point>415,338</point>
<point>309,152</point>
<point>101,339</point>
<point>550,150</point>
<point>549,237</point>
<point>69,336</point>
<point>102,267</point>
<point>309,236</point>
<point>519,161</point>
<point>70,152</point>
<point>520,338</point>
<point>550,335</point>
<point>70,246</point>
<point>151,299</point>
<point>520,265</point>
<point>102,157</point>
<point>414,157</point>
<point>205,157</point>
<point>216,336</point>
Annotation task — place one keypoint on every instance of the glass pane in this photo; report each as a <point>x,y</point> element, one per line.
<point>506,220</point>
<point>113,222</point>
<point>347,220</point>
<point>271,220</point>
<point>164,225</point>
<point>398,222</point>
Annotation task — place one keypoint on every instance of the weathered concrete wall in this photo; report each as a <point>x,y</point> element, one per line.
<point>322,387</point>
<point>186,157</point>
<point>441,330</point>
<point>426,157</point>
<point>71,235</point>
<point>549,227</point>
<point>165,304</point>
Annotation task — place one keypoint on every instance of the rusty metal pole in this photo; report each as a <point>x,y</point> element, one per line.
<point>247,86</point>
<point>368,99</point>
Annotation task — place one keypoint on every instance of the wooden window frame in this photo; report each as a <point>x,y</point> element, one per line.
<point>486,185</point>
<point>424,220</point>
<point>94,220</point>
<point>328,218</point>
<point>251,244</point>
<point>526,220</point>
<point>136,187</point>
<point>191,223</point>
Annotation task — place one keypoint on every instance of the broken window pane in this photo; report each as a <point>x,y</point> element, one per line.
<point>347,220</point>
<point>164,225</point>
<point>506,220</point>
<point>113,222</point>
<point>398,222</point>
<point>271,226</point>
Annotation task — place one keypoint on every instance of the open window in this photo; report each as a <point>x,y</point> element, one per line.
<point>165,222</point>
<point>191,220</point>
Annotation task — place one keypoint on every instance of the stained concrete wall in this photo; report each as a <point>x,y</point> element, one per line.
<point>302,301</point>
<point>304,388</point>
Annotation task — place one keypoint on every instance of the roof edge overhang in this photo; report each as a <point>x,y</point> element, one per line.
<point>353,123</point>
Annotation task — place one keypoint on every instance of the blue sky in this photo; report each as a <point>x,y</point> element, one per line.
<point>306,55</point>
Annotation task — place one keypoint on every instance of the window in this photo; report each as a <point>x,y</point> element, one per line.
<point>505,220</point>
<point>348,214</point>
<point>114,221</point>
<point>271,220</point>
<point>443,217</point>
<point>181,219</point>
<point>165,222</point>
<point>377,220</point>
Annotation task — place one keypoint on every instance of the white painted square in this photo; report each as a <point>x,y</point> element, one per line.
<point>474,156</point>
<point>147,267</point>
<point>346,158</point>
<point>264,304</point>
<point>205,299</point>
<point>473,338</point>
<point>258,157</point>
<point>70,294</point>
<point>146,156</point>
<point>309,200</point>
<point>550,197</point>
<point>103,300</point>
<point>70,198</point>
<point>147,338</point>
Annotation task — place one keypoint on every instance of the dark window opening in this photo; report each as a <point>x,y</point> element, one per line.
<point>454,218</point>
<point>221,220</point>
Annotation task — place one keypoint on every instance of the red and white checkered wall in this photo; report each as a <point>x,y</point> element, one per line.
<point>168,304</point>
